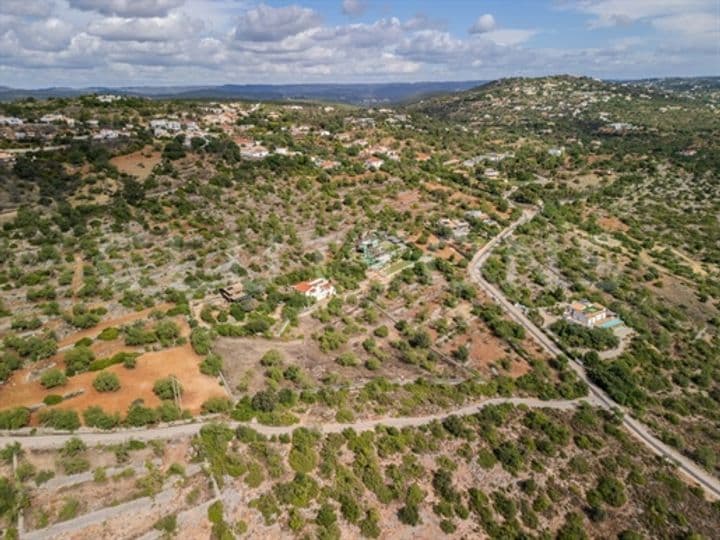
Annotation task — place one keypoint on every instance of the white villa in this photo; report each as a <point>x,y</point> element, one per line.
<point>591,315</point>
<point>319,288</point>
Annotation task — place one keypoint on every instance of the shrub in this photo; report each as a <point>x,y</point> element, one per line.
<point>611,490</point>
<point>109,334</point>
<point>74,464</point>
<point>264,401</point>
<point>118,358</point>
<point>69,510</point>
<point>59,419</point>
<point>129,362</point>
<point>409,515</point>
<point>167,388</point>
<point>381,331</point>
<point>344,415</point>
<point>73,447</point>
<point>14,418</point>
<point>78,359</point>
<point>216,405</point>
<point>106,382</point>
<point>53,377</point>
<point>52,399</point>
<point>300,492</point>
<point>137,334</point>
<point>100,475</point>
<point>167,524</point>
<point>201,340</point>
<point>168,411</point>
<point>139,415</point>
<point>575,335</point>
<point>94,416</point>
<point>167,332</point>
<point>33,347</point>
<point>369,527</point>
<point>373,364</point>
<point>302,459</point>
<point>486,459</point>
<point>347,359</point>
<point>43,476</point>
<point>211,365</point>
<point>25,471</point>
<point>271,358</point>
<point>326,516</point>
<point>447,526</point>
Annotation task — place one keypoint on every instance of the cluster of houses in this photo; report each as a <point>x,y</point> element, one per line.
<point>49,125</point>
<point>491,157</point>
<point>11,121</point>
<point>109,98</point>
<point>318,289</point>
<point>618,128</point>
<point>55,118</point>
<point>325,164</point>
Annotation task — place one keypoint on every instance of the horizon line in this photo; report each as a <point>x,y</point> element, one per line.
<point>389,82</point>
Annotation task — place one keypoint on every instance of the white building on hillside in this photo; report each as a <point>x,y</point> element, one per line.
<point>319,288</point>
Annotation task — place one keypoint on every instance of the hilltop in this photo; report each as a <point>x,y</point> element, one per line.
<point>563,110</point>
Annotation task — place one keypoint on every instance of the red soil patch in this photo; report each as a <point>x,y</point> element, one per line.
<point>136,384</point>
<point>448,252</point>
<point>433,186</point>
<point>485,350</point>
<point>408,198</point>
<point>137,163</point>
<point>612,224</point>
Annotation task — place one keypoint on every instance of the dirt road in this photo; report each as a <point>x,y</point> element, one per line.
<point>91,438</point>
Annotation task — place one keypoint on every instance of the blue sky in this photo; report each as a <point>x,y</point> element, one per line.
<point>187,42</point>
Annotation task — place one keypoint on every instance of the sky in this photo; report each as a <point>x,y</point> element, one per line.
<point>190,42</point>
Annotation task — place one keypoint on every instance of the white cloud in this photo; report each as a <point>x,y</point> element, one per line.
<point>509,36</point>
<point>172,27</point>
<point>32,8</point>
<point>211,41</point>
<point>484,23</point>
<point>354,8</point>
<point>681,23</point>
<point>694,29</point>
<point>127,8</point>
<point>46,35</point>
<point>624,12</point>
<point>267,23</point>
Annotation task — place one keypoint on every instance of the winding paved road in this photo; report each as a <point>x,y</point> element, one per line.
<point>709,483</point>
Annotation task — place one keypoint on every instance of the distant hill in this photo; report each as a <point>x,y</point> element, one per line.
<point>561,108</point>
<point>525,98</point>
<point>681,84</point>
<point>354,94</point>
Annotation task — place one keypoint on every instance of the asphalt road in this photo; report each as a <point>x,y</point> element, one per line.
<point>706,480</point>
